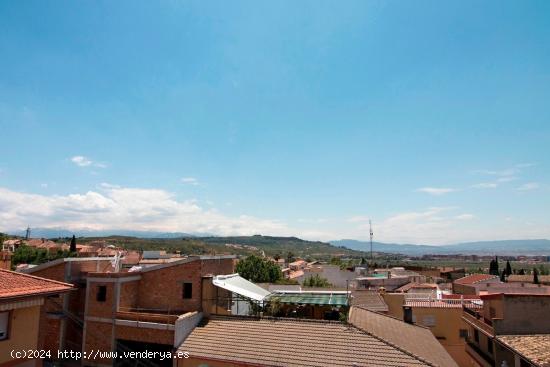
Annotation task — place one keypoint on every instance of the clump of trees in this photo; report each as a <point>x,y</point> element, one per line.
<point>36,256</point>
<point>316,281</point>
<point>259,270</point>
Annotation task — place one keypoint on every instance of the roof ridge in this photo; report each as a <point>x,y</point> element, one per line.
<point>393,345</point>
<point>273,318</point>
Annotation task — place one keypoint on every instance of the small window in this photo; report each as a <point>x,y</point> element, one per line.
<point>463,333</point>
<point>187,290</point>
<point>101,293</point>
<point>476,335</point>
<point>429,320</point>
<point>4,324</point>
<point>490,346</point>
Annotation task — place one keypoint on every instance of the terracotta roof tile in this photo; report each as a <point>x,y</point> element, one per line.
<point>534,347</point>
<point>475,278</point>
<point>416,340</point>
<point>291,342</point>
<point>14,284</point>
<point>369,300</point>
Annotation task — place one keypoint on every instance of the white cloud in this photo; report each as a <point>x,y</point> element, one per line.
<point>528,186</point>
<point>44,185</point>
<point>190,181</point>
<point>437,191</point>
<point>82,161</point>
<point>507,179</point>
<point>115,207</point>
<point>485,185</point>
<point>442,225</point>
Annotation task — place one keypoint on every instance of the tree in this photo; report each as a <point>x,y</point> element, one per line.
<point>521,271</point>
<point>508,268</point>
<point>259,270</point>
<point>503,276</point>
<point>290,257</point>
<point>535,276</point>
<point>73,244</point>
<point>363,261</point>
<point>277,257</point>
<point>316,281</point>
<point>493,267</point>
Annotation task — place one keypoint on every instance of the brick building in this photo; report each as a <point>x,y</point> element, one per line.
<point>126,311</point>
<point>22,299</point>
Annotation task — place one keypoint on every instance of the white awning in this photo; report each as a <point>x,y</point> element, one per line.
<point>237,284</point>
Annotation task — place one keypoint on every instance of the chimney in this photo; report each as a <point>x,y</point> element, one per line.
<point>407,315</point>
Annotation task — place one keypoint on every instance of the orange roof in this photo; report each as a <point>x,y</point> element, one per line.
<point>14,284</point>
<point>475,278</point>
<point>296,274</point>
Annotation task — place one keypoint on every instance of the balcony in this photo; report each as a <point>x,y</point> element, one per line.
<point>148,315</point>
<point>478,321</point>
<point>481,357</point>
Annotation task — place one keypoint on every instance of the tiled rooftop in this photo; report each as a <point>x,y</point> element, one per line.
<point>14,284</point>
<point>474,278</point>
<point>528,278</point>
<point>369,300</point>
<point>534,347</point>
<point>417,340</point>
<point>291,342</point>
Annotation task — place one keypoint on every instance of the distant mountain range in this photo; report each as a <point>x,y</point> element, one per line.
<point>62,233</point>
<point>503,247</point>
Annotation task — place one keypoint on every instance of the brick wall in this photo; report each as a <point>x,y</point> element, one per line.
<point>163,288</point>
<point>98,338</point>
<point>100,309</point>
<point>129,294</point>
<point>145,335</point>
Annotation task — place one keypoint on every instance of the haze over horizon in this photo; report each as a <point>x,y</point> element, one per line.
<point>304,120</point>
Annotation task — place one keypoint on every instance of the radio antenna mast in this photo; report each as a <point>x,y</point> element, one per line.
<point>371,234</point>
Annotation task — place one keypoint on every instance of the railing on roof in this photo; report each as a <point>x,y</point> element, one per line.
<point>477,320</point>
<point>161,316</point>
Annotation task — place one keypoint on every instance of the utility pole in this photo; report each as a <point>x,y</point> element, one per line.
<point>371,234</point>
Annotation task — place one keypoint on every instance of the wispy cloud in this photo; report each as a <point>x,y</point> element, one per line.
<point>528,186</point>
<point>485,185</point>
<point>437,191</point>
<point>507,179</point>
<point>190,181</point>
<point>83,161</point>
<point>465,216</point>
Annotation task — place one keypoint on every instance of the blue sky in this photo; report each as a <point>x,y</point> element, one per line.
<point>432,118</point>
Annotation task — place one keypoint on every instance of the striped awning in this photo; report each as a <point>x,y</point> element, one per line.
<point>311,298</point>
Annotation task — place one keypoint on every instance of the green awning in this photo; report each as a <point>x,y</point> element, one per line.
<point>305,298</point>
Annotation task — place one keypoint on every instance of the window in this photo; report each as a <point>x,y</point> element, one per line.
<point>4,324</point>
<point>429,320</point>
<point>101,293</point>
<point>490,345</point>
<point>187,290</point>
<point>476,335</point>
<point>463,333</point>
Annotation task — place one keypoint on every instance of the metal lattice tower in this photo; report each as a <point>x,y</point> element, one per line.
<point>371,234</point>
